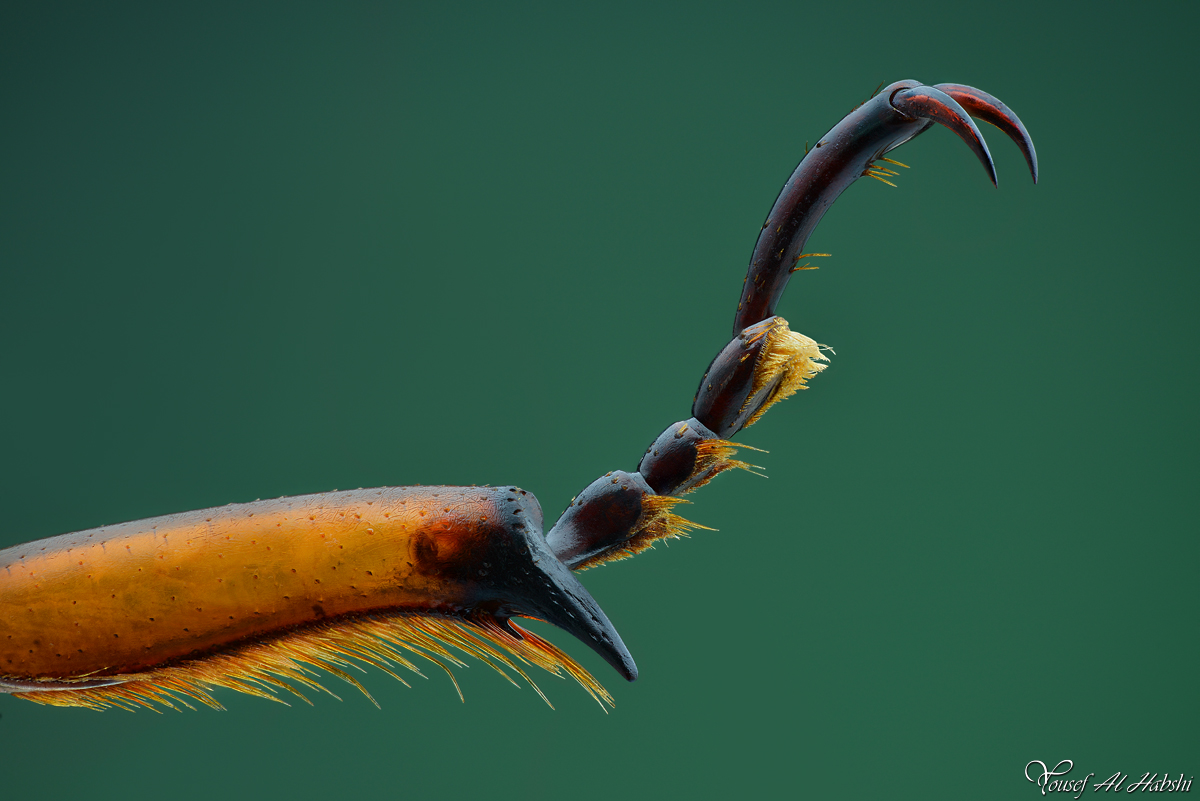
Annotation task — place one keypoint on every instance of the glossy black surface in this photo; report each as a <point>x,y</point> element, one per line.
<point>670,462</point>
<point>600,518</point>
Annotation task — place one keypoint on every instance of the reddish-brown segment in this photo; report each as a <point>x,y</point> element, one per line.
<point>139,596</point>
<point>685,457</point>
<point>747,376</point>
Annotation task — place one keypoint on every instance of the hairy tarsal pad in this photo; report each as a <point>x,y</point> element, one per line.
<point>761,366</point>
<point>787,362</point>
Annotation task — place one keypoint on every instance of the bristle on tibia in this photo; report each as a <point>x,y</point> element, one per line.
<point>290,662</point>
<point>658,522</point>
<point>787,362</point>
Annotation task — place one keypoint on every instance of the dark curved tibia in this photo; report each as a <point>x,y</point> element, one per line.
<point>989,109</point>
<point>840,158</point>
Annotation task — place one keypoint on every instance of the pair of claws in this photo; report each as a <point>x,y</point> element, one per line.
<point>953,105</point>
<point>455,577</point>
<point>849,150</point>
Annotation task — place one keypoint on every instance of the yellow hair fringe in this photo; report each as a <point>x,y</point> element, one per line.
<point>264,668</point>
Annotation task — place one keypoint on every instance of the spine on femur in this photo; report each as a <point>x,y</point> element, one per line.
<point>622,514</point>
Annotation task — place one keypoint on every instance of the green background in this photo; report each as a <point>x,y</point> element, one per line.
<point>259,250</point>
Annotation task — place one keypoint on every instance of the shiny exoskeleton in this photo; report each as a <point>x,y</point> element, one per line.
<point>746,376</point>
<point>238,596</point>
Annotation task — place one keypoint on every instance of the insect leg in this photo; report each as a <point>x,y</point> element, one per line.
<point>621,514</point>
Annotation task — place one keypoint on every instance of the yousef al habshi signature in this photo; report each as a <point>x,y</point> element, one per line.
<point>1049,780</point>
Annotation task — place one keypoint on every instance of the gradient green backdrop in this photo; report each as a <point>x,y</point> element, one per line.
<point>260,250</point>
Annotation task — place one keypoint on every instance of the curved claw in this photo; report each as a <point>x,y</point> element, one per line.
<point>930,103</point>
<point>987,108</point>
<point>848,151</point>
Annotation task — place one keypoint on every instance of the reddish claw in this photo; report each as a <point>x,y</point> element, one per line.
<point>989,109</point>
<point>926,102</point>
<point>848,152</point>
